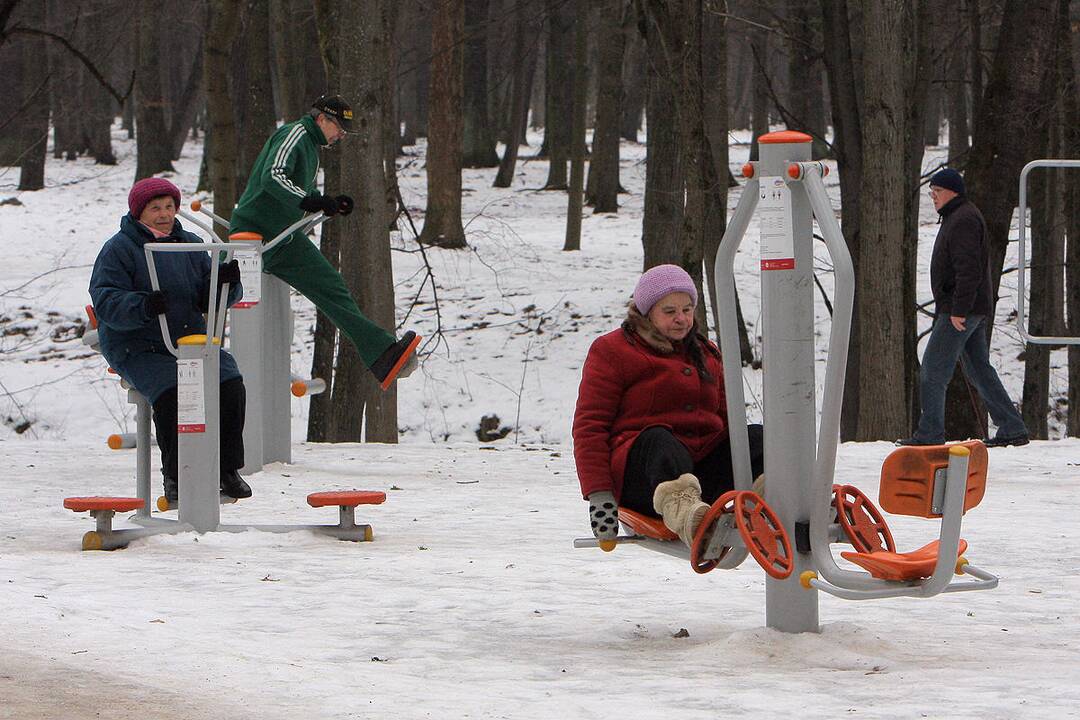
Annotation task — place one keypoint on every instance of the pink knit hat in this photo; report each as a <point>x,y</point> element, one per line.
<point>656,282</point>
<point>146,190</point>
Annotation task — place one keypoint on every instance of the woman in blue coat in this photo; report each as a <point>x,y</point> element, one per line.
<point>127,309</point>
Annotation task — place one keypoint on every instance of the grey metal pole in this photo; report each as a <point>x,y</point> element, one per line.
<point>274,355</point>
<point>787,306</point>
<point>245,343</point>
<point>142,451</point>
<point>198,429</point>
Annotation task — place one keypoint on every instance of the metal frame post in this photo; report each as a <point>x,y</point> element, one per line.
<point>246,345</point>
<point>790,412</point>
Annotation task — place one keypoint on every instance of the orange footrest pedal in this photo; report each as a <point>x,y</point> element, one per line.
<point>914,565</point>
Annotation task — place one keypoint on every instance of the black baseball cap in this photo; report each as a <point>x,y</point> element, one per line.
<point>336,107</point>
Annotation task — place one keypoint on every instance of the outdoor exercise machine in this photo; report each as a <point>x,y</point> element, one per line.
<point>801,501</point>
<point>198,429</point>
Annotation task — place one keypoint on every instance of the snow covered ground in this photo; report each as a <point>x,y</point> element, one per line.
<point>471,602</point>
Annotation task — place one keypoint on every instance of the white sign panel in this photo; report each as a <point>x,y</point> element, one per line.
<point>250,261</point>
<point>774,214</point>
<point>190,403</point>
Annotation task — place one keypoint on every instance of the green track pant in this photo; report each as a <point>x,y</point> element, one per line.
<point>300,264</point>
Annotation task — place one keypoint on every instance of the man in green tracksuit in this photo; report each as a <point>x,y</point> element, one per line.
<point>280,189</point>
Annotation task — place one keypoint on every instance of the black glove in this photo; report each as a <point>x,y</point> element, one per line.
<point>344,204</point>
<point>229,273</point>
<point>156,303</point>
<point>320,203</point>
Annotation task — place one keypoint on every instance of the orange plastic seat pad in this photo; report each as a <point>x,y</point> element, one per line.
<point>914,565</point>
<point>346,497</point>
<point>650,527</point>
<point>119,504</point>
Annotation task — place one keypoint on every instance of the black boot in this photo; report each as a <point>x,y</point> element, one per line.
<point>172,494</point>
<point>233,485</point>
<point>398,360</point>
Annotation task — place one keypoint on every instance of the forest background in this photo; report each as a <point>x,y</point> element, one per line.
<point>874,83</point>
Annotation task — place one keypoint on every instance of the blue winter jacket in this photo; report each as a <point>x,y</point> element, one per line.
<point>130,337</point>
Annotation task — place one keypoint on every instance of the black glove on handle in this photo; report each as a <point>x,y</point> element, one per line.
<point>229,273</point>
<point>156,303</point>
<point>320,203</point>
<point>345,204</point>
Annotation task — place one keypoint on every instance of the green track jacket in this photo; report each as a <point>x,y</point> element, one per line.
<point>283,174</point>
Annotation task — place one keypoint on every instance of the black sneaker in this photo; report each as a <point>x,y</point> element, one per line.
<point>172,493</point>
<point>1017,441</point>
<point>388,367</point>
<point>903,442</point>
<point>233,485</point>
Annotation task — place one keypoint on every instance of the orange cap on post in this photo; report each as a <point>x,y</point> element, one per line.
<point>748,170</point>
<point>784,136</point>
<point>794,171</point>
<point>196,205</point>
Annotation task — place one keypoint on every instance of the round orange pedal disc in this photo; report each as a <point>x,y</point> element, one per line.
<point>763,534</point>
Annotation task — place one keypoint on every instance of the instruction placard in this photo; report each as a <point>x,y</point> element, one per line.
<point>774,214</point>
<point>190,402</point>
<point>250,261</point>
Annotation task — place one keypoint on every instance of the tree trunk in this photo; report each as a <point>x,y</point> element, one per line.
<point>634,84</point>
<point>190,103</point>
<point>151,137</point>
<point>603,185</point>
<point>560,83</point>
<point>957,84</point>
<point>252,88</point>
<point>805,88</point>
<point>519,104</point>
<point>34,98</point>
<point>664,178</point>
<point>880,283</point>
<point>577,128</point>
<point>478,140</point>
<point>442,219</point>
<point>299,67</point>
<point>1072,230</point>
<point>365,246</point>
<point>841,63</point>
<point>1003,140</point>
<point>224,19</point>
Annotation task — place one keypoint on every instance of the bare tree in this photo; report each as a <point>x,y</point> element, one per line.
<point>442,220</point>
<point>478,140</point>
<point>151,136</point>
<point>880,281</point>
<point>34,97</point>
<point>252,88</point>
<point>522,58</point>
<point>603,185</point>
<point>575,196</point>
<point>224,20</point>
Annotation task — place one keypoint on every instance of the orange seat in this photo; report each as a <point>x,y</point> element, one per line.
<point>646,525</point>
<point>914,565</point>
<point>908,475</point>
<point>118,504</point>
<point>346,498</point>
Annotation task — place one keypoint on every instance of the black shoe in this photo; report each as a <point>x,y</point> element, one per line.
<point>915,441</point>
<point>172,493</point>
<point>233,485</point>
<point>1018,440</point>
<point>388,367</point>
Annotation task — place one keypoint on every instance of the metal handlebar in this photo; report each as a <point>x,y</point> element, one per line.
<point>1021,263</point>
<point>305,225</point>
<point>215,318</point>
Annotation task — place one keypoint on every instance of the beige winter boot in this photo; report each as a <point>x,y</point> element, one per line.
<point>679,503</point>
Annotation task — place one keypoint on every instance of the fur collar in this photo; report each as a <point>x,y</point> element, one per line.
<point>641,326</point>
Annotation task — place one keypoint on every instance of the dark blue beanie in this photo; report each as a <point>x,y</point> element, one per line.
<point>949,179</point>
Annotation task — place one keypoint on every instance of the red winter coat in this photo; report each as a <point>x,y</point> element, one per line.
<point>628,386</point>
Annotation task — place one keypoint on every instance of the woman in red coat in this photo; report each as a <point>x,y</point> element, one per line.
<point>650,427</point>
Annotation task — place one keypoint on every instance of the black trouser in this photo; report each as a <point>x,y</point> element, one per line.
<point>233,401</point>
<point>657,456</point>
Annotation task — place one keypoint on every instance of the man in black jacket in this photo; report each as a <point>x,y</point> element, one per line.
<point>960,281</point>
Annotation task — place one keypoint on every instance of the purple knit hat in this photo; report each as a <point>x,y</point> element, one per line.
<point>146,190</point>
<point>656,282</point>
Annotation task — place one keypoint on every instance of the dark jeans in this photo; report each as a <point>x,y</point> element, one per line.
<point>657,456</point>
<point>233,402</point>
<point>945,346</point>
